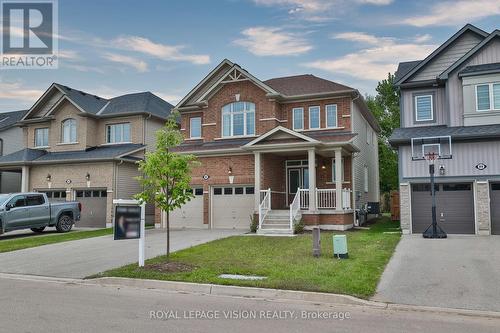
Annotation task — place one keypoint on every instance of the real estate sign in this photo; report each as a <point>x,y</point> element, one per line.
<point>127,222</point>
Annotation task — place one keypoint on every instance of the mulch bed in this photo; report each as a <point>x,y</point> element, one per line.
<point>170,267</point>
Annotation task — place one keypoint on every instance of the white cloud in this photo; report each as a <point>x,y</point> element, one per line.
<point>16,91</point>
<point>138,64</point>
<point>363,38</point>
<point>272,41</point>
<point>376,60</point>
<point>376,2</point>
<point>160,51</point>
<point>68,55</point>
<point>171,98</point>
<point>453,13</point>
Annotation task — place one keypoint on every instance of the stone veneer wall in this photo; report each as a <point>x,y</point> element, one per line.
<point>482,207</point>
<point>405,207</point>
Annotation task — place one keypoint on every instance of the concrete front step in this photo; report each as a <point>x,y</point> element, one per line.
<point>276,226</point>
<point>275,232</point>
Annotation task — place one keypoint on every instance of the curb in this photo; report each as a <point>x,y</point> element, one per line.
<point>236,291</point>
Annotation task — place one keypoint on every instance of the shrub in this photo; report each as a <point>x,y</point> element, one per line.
<point>298,228</point>
<point>254,224</point>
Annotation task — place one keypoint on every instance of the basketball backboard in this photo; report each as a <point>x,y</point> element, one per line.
<point>439,145</point>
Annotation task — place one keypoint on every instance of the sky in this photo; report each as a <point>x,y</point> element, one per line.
<point>113,47</point>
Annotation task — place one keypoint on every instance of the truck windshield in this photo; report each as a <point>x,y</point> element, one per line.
<point>3,198</point>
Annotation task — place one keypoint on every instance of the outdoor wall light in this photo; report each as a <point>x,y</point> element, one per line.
<point>87,176</point>
<point>230,171</point>
<point>49,178</point>
<point>442,170</point>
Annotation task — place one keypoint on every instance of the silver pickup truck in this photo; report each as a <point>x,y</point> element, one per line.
<point>34,211</point>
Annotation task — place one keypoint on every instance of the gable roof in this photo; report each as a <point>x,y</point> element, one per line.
<point>466,28</point>
<point>306,84</point>
<point>404,68</point>
<point>135,103</point>
<point>469,54</point>
<point>480,69</point>
<point>9,119</point>
<point>290,133</point>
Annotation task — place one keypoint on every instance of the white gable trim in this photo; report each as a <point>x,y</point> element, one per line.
<point>53,85</point>
<point>282,129</point>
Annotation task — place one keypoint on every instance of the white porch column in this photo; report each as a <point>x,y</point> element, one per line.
<point>257,180</point>
<point>311,159</point>
<point>338,178</point>
<point>25,179</point>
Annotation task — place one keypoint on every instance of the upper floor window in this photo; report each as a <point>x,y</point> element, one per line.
<point>331,116</point>
<point>69,131</point>
<point>314,118</point>
<point>195,127</point>
<point>298,118</point>
<point>118,133</point>
<point>424,108</point>
<point>238,119</point>
<point>488,97</point>
<point>41,137</point>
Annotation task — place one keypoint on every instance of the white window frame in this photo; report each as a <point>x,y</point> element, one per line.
<point>112,128</point>
<point>334,168</point>
<point>432,107</point>
<point>336,116</point>
<point>244,112</point>
<point>319,116</point>
<point>74,126</point>
<point>191,128</point>
<point>491,96</point>
<point>366,179</point>
<point>36,136</point>
<point>293,119</point>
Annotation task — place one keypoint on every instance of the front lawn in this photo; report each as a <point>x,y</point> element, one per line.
<point>23,242</point>
<point>287,262</point>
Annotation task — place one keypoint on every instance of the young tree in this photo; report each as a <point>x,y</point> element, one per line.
<point>165,174</point>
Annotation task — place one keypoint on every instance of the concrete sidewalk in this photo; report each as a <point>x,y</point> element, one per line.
<point>81,258</point>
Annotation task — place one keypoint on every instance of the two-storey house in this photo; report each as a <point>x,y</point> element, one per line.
<point>11,140</point>
<point>450,104</point>
<point>280,150</point>
<point>78,146</point>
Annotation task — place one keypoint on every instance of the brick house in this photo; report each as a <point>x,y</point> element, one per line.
<point>275,147</point>
<point>78,146</point>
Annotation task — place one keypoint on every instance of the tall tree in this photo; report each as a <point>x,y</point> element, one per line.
<point>165,174</point>
<point>385,107</point>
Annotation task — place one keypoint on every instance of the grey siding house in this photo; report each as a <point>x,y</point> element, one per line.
<point>11,140</point>
<point>452,99</point>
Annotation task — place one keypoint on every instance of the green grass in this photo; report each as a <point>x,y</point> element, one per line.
<point>24,242</point>
<point>287,262</point>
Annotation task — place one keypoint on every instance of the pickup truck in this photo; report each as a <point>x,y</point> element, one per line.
<point>34,211</point>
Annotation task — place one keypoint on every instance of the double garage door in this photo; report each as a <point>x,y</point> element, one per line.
<point>454,207</point>
<point>231,208</point>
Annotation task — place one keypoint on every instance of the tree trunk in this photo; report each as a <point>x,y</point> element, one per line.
<point>168,234</point>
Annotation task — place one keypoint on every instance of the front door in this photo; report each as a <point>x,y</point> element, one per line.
<point>297,178</point>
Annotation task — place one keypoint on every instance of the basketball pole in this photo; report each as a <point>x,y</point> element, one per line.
<point>433,231</point>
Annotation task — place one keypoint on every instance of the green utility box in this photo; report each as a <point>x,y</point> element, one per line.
<point>340,246</point>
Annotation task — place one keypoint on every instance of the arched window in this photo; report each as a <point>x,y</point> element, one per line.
<point>69,131</point>
<point>238,119</point>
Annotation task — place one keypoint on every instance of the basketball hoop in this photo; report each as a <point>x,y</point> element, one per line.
<point>431,157</point>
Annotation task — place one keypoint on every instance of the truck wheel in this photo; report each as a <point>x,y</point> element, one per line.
<point>38,230</point>
<point>64,224</point>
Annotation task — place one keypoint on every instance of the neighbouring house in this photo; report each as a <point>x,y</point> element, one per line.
<point>450,104</point>
<point>78,146</point>
<point>291,148</point>
<point>11,140</point>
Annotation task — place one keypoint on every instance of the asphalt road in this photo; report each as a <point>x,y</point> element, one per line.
<point>46,306</point>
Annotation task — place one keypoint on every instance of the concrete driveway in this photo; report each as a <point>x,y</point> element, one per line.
<point>458,272</point>
<point>81,258</point>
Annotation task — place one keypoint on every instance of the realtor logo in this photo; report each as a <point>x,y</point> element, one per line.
<point>29,34</point>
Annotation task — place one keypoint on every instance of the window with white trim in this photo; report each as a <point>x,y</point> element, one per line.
<point>195,127</point>
<point>488,96</point>
<point>365,178</point>
<point>118,133</point>
<point>68,131</point>
<point>424,109</point>
<point>314,117</point>
<point>42,137</point>
<point>238,119</point>
<point>298,118</point>
<point>334,170</point>
<point>331,116</point>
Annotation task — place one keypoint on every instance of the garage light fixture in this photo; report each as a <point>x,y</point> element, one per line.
<point>87,176</point>
<point>49,178</point>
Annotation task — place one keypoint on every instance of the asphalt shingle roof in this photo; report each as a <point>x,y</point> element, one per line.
<point>404,68</point>
<point>404,135</point>
<point>9,119</point>
<point>480,68</point>
<point>304,85</point>
<point>34,156</point>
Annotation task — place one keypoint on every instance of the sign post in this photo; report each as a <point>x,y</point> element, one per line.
<point>130,223</point>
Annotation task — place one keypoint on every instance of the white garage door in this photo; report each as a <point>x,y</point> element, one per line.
<point>232,207</point>
<point>191,214</point>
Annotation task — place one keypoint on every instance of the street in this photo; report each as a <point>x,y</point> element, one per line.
<point>35,304</point>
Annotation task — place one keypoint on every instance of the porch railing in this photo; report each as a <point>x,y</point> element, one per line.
<point>294,208</point>
<point>346,198</point>
<point>326,198</point>
<point>264,206</point>
<point>304,198</point>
